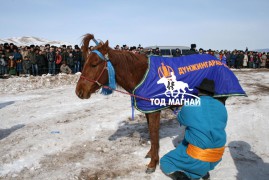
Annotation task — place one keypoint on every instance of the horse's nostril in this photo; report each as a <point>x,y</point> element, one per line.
<point>80,93</point>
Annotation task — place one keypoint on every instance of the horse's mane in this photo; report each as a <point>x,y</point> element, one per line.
<point>85,44</point>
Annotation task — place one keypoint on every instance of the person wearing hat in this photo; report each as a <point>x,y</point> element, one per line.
<point>201,51</point>
<point>192,50</point>
<point>77,57</point>
<point>177,53</point>
<point>157,51</point>
<point>203,144</point>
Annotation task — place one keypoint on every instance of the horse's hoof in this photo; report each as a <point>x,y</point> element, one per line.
<point>147,156</point>
<point>150,170</point>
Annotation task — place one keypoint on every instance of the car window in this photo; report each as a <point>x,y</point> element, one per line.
<point>165,52</point>
<point>184,51</point>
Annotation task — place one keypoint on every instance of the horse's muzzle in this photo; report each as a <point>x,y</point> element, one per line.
<point>82,94</point>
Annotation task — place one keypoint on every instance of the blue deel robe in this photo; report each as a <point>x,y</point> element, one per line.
<point>205,128</point>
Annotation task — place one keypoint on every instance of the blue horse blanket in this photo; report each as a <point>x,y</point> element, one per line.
<point>172,81</point>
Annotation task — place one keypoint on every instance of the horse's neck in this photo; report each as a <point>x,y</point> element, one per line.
<point>129,72</point>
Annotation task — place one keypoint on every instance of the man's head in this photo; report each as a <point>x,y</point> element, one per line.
<point>207,87</point>
<point>193,46</point>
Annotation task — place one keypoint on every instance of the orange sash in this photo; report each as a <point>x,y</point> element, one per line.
<point>207,155</point>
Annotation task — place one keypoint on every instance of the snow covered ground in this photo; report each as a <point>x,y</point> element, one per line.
<point>47,132</point>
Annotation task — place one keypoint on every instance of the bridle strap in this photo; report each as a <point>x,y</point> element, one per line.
<point>100,55</point>
<point>96,42</point>
<point>103,70</point>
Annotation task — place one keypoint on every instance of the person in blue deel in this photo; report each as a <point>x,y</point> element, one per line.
<point>203,144</point>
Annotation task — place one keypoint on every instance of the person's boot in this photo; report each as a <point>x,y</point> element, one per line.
<point>206,177</point>
<point>178,175</point>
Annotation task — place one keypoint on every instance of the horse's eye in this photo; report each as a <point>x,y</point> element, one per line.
<point>93,65</point>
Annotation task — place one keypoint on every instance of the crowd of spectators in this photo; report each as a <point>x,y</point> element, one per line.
<point>237,58</point>
<point>38,60</point>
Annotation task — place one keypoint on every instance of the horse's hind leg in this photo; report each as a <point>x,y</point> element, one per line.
<point>154,125</point>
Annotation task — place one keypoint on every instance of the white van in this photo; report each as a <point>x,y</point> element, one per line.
<point>168,51</point>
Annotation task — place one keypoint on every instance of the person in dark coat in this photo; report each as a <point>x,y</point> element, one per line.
<point>177,53</point>
<point>239,60</point>
<point>228,59</point>
<point>233,58</point>
<point>205,137</point>
<point>26,65</point>
<point>192,50</point>
<point>70,62</point>
<point>41,63</point>
<point>157,52</point>
<point>18,59</point>
<point>3,64</point>
<point>51,57</point>
<point>32,56</point>
<point>77,55</point>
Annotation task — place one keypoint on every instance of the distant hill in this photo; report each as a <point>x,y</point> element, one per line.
<point>28,40</point>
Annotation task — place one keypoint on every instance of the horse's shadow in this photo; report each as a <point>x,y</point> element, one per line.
<point>6,132</point>
<point>248,164</point>
<point>168,128</point>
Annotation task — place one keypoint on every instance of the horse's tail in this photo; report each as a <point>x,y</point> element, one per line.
<point>85,43</point>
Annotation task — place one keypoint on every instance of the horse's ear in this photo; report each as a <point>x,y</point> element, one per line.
<point>106,47</point>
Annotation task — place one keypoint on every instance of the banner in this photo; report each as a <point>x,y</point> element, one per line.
<point>172,81</point>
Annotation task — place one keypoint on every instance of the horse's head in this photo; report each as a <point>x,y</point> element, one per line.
<point>163,80</point>
<point>94,73</point>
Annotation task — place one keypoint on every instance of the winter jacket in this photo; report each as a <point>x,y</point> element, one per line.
<point>224,60</point>
<point>17,56</point>
<point>32,57</point>
<point>191,51</point>
<point>58,59</point>
<point>65,69</point>
<point>70,61</point>
<point>77,55</point>
<point>51,56</point>
<point>41,60</point>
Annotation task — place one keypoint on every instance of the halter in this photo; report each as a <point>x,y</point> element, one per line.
<point>106,90</point>
<point>103,70</point>
<point>111,74</point>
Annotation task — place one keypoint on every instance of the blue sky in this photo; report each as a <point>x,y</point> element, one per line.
<point>215,24</point>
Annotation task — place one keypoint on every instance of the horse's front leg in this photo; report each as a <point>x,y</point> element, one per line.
<point>154,125</point>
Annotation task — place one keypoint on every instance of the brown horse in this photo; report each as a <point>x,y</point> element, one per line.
<point>129,69</point>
